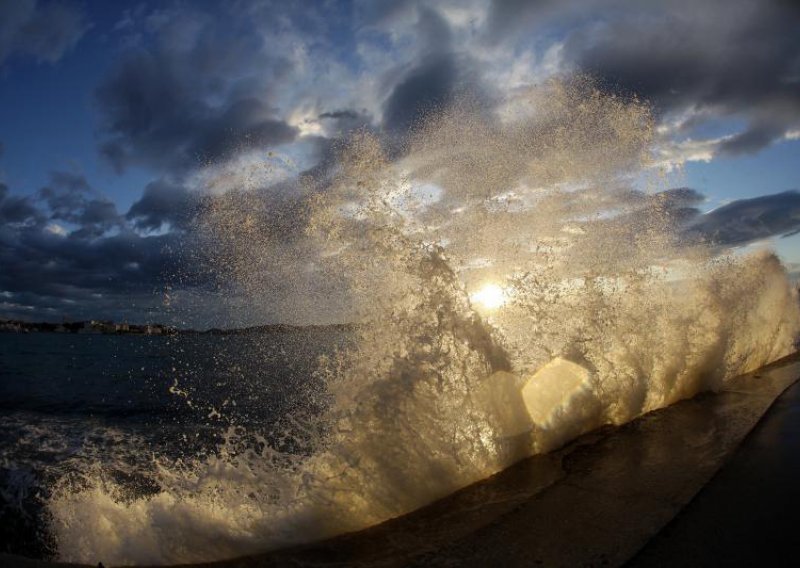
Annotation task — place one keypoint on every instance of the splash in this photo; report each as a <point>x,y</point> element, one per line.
<point>513,290</point>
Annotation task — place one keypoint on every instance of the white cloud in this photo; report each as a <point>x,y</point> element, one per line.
<point>672,155</point>
<point>56,229</point>
<point>246,171</point>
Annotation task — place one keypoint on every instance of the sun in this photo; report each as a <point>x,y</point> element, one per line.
<point>489,297</point>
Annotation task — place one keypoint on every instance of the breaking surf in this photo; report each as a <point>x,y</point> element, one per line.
<point>519,274</point>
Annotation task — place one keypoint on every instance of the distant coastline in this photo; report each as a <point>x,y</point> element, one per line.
<point>104,327</point>
<point>93,327</point>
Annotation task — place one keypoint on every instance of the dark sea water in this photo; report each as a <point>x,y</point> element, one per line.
<point>70,403</point>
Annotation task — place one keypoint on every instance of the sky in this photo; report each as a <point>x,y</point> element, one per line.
<point>114,116</point>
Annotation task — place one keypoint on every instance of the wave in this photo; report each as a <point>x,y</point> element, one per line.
<point>514,290</point>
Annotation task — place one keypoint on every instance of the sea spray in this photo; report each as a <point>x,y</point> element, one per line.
<point>610,309</point>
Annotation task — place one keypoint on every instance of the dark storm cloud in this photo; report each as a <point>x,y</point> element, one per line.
<point>339,124</point>
<point>434,79</point>
<point>748,220</point>
<point>44,31</point>
<point>680,197</point>
<point>48,272</point>
<point>678,206</point>
<point>17,209</point>
<point>632,212</point>
<point>70,181</point>
<point>427,87</point>
<point>756,137</point>
<point>53,263</point>
<point>51,275</point>
<point>677,211</point>
<point>196,93</point>
<point>163,203</point>
<point>66,252</point>
<point>70,198</point>
<point>382,12</point>
<point>510,17</point>
<point>731,58</point>
<point>746,63</point>
<point>340,115</point>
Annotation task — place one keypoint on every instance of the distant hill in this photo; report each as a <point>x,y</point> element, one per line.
<point>112,328</point>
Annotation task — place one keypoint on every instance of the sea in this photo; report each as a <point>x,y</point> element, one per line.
<point>71,402</point>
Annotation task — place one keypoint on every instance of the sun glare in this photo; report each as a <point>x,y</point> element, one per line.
<point>489,297</point>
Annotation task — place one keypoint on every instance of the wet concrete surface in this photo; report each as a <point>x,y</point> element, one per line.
<point>596,502</point>
<point>749,514</point>
<point>622,489</point>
